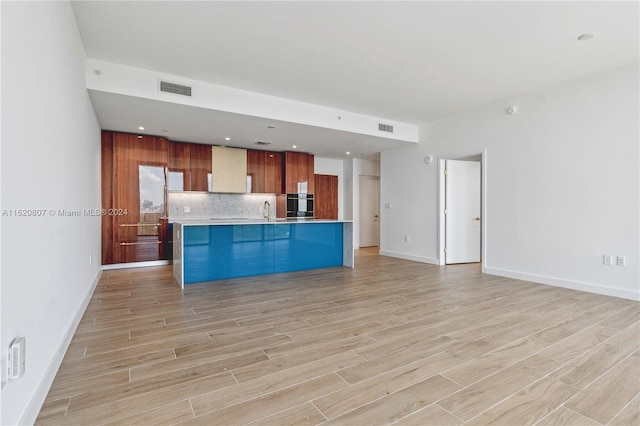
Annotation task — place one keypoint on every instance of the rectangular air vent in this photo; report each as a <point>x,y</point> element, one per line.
<point>385,127</point>
<point>178,89</point>
<point>262,143</point>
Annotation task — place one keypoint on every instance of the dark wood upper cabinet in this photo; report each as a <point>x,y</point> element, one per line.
<point>273,172</point>
<point>326,197</point>
<point>179,166</point>
<point>298,168</point>
<point>200,167</point>
<point>256,169</point>
<point>265,170</point>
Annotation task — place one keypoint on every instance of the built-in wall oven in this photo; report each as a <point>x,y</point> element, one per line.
<point>300,205</point>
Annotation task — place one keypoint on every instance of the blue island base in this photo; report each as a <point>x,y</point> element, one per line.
<point>221,251</point>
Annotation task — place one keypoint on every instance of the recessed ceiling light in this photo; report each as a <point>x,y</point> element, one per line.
<point>586,36</point>
<point>348,153</point>
<point>140,128</point>
<point>227,138</point>
<point>294,146</point>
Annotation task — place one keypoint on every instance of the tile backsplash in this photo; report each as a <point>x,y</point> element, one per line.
<point>207,205</point>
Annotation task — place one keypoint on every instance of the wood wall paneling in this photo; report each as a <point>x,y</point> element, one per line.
<point>326,197</point>
<point>107,196</point>
<point>126,192</point>
<point>129,152</point>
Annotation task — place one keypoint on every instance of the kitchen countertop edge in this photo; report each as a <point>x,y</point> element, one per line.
<point>253,222</point>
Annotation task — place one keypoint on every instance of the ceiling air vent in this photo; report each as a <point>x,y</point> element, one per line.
<point>178,89</point>
<point>262,143</point>
<point>385,127</point>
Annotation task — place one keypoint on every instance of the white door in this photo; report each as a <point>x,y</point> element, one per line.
<point>369,211</point>
<point>462,203</point>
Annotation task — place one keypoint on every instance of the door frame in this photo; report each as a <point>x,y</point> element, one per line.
<point>360,213</point>
<point>483,205</point>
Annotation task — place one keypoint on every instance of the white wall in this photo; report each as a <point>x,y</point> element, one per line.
<point>329,166</point>
<point>562,184</point>
<point>50,160</point>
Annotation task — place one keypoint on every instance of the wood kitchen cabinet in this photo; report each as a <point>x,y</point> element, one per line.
<point>189,167</point>
<point>255,170</point>
<point>326,197</point>
<point>134,226</point>
<point>265,171</point>
<point>179,166</point>
<point>273,172</point>
<point>298,169</point>
<point>200,167</point>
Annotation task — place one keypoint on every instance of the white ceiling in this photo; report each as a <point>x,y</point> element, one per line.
<point>412,62</point>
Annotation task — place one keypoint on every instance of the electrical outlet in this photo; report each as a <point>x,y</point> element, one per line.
<point>187,209</point>
<point>620,261</point>
<point>17,358</point>
<point>387,205</point>
<point>607,259</point>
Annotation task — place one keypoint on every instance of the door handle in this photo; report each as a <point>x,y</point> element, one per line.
<point>477,218</point>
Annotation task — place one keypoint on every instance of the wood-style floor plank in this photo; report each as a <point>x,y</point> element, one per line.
<point>389,342</point>
<point>399,404</point>
<point>620,384</point>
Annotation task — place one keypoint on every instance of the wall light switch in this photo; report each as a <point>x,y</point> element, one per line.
<point>387,205</point>
<point>620,261</point>
<point>607,259</point>
<point>187,209</point>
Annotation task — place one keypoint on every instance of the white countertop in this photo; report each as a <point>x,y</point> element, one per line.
<point>231,221</point>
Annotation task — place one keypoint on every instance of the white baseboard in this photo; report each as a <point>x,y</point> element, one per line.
<point>35,405</point>
<point>405,256</point>
<point>136,264</point>
<point>573,285</point>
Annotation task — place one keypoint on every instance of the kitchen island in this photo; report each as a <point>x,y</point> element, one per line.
<point>220,249</point>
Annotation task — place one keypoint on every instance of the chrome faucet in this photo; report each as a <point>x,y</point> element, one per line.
<point>267,209</point>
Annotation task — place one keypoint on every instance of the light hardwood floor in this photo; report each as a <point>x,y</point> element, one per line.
<point>389,342</point>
